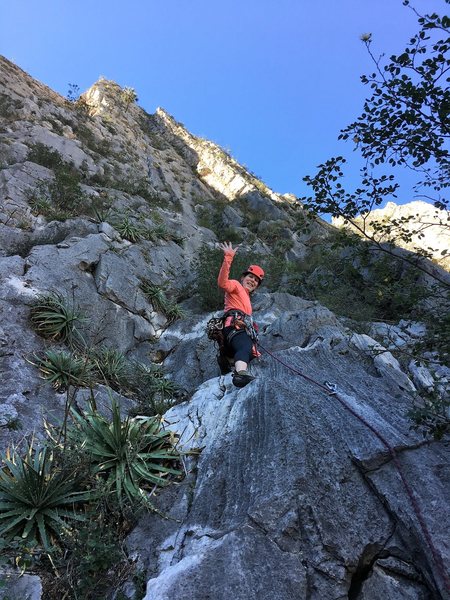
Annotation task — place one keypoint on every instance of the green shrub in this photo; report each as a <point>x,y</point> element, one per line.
<point>431,416</point>
<point>211,217</point>
<point>54,318</point>
<point>161,303</point>
<point>251,219</point>
<point>273,232</point>
<point>94,560</point>
<point>97,471</point>
<point>155,294</point>
<point>393,289</point>
<point>61,197</point>
<point>65,190</point>
<point>352,281</point>
<point>282,246</point>
<point>130,230</point>
<point>100,209</point>
<point>130,456</point>
<point>128,96</point>
<point>40,205</point>
<point>9,107</point>
<point>160,232</point>
<point>37,498</point>
<point>275,269</point>
<point>62,369</point>
<point>139,187</point>
<point>155,393</point>
<point>43,155</point>
<point>233,235</point>
<point>111,367</point>
<point>173,312</point>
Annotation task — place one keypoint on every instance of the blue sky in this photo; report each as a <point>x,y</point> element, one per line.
<point>272,81</point>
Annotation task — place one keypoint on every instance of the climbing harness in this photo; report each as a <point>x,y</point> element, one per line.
<point>239,320</point>
<point>331,389</point>
<point>232,318</point>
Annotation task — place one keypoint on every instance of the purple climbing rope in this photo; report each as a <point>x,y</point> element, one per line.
<point>331,390</point>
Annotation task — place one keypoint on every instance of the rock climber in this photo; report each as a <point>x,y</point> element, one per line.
<point>239,331</point>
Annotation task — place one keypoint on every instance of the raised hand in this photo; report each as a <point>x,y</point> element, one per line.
<point>228,248</point>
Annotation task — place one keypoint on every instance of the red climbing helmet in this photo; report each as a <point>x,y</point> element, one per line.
<point>255,270</point>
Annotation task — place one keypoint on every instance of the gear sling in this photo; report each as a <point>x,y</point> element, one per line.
<point>224,329</point>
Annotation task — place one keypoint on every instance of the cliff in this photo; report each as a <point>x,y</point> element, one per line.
<point>293,488</point>
<point>415,226</point>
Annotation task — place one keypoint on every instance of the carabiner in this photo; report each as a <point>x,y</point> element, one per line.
<point>331,387</point>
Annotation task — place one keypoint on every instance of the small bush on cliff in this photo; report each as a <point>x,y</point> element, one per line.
<point>55,318</point>
<point>354,282</point>
<point>97,471</point>
<point>128,96</point>
<point>130,456</point>
<point>95,561</point>
<point>61,197</point>
<point>155,293</point>
<point>431,416</point>
<point>155,393</point>
<point>37,497</point>
<point>111,367</point>
<point>211,216</point>
<point>130,230</point>
<point>160,232</point>
<point>63,369</point>
<point>41,154</point>
<point>9,107</point>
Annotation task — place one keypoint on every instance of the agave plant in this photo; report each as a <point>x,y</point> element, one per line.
<point>36,497</point>
<point>173,312</point>
<point>129,230</point>
<point>101,213</point>
<point>163,388</point>
<point>161,303</point>
<point>155,294</point>
<point>62,369</point>
<point>161,397</point>
<point>132,454</point>
<point>155,392</point>
<point>111,365</point>
<point>54,318</point>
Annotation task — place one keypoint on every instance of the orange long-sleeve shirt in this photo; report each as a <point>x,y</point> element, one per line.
<point>236,296</point>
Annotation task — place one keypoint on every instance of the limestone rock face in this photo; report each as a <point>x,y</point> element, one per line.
<point>295,493</point>
<point>428,226</point>
<point>23,586</point>
<point>291,491</point>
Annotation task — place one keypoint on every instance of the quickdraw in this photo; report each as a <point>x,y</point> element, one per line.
<point>214,330</point>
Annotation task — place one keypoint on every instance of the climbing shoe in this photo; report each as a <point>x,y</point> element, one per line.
<point>224,364</point>
<point>242,378</point>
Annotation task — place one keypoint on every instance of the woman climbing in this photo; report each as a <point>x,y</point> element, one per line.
<point>239,330</point>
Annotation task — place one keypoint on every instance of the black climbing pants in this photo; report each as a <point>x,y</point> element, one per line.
<point>239,346</point>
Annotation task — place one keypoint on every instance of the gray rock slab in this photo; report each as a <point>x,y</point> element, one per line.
<point>258,570</point>
<point>285,458</point>
<point>20,587</point>
<point>382,584</point>
<point>18,241</point>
